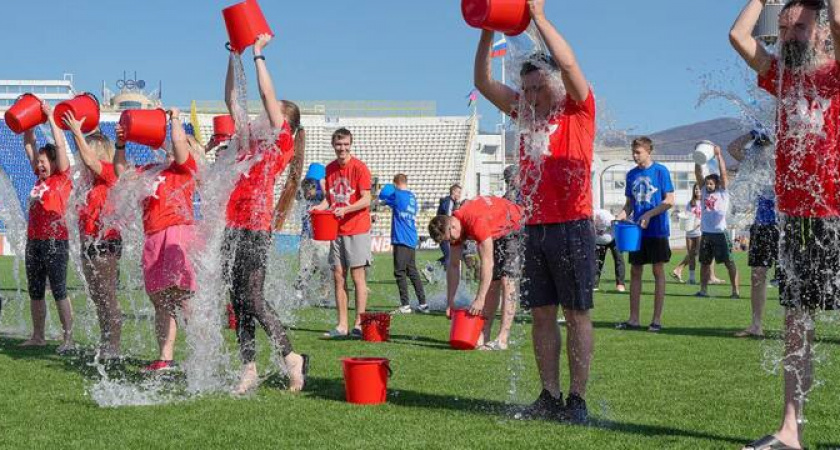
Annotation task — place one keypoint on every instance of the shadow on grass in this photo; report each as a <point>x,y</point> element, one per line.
<point>728,333</point>
<point>333,389</point>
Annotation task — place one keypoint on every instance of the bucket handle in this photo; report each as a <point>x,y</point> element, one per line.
<point>388,368</point>
<point>228,46</point>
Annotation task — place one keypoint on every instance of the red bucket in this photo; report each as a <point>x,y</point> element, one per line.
<point>144,126</point>
<point>324,225</point>
<point>465,331</point>
<point>376,327</point>
<point>366,380</point>
<point>223,127</point>
<point>245,22</point>
<point>26,113</point>
<point>507,16</point>
<point>82,106</point>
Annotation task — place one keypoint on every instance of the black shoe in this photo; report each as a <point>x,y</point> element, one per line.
<point>545,407</point>
<point>575,410</point>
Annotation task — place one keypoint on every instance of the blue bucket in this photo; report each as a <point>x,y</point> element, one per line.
<point>628,236</point>
<point>316,172</point>
<point>387,191</point>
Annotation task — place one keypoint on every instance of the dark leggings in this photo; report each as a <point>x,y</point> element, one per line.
<point>246,254</point>
<point>47,259</point>
<point>617,258</point>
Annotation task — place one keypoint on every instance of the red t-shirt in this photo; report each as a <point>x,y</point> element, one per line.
<point>251,205</point>
<point>90,214</point>
<point>48,207</point>
<point>172,201</point>
<point>344,187</point>
<point>807,140</point>
<point>487,217</point>
<point>557,183</point>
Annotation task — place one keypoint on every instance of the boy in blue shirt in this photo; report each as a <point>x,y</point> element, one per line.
<point>403,205</point>
<point>650,194</point>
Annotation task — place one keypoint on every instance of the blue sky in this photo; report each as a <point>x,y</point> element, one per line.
<point>644,58</point>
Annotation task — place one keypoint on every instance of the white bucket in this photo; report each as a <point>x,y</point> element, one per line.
<point>704,152</point>
<point>688,222</point>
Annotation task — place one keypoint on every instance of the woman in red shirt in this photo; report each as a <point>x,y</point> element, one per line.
<point>47,249</point>
<point>101,245</point>
<point>250,214</point>
<point>168,226</point>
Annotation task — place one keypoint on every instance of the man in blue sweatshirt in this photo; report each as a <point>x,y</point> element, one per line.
<point>403,204</point>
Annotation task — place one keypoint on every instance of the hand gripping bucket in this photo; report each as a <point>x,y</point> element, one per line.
<point>628,236</point>
<point>245,22</point>
<point>223,127</point>
<point>324,225</point>
<point>25,114</point>
<point>82,106</point>
<point>507,16</point>
<point>366,380</point>
<point>376,327</point>
<point>144,126</point>
<point>704,152</point>
<point>465,331</point>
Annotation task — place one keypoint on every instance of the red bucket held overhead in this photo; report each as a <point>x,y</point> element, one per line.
<point>245,22</point>
<point>144,126</point>
<point>507,16</point>
<point>465,331</point>
<point>376,327</point>
<point>82,106</point>
<point>324,225</point>
<point>223,127</point>
<point>25,114</point>
<point>366,380</point>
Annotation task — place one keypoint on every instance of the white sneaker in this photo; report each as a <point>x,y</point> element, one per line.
<point>424,309</point>
<point>402,310</point>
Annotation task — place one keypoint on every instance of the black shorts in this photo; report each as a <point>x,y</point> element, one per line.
<point>654,250</point>
<point>47,259</point>
<point>809,263</point>
<point>106,247</point>
<point>505,257</point>
<point>715,247</point>
<point>559,265</point>
<point>764,245</point>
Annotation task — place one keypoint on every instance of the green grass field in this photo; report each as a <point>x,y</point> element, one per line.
<point>692,386</point>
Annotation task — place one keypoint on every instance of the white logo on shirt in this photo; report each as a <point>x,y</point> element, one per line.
<point>158,181</point>
<point>644,190</point>
<point>342,192</point>
<point>38,191</point>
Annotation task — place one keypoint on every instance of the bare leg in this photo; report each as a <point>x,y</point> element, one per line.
<point>101,275</point>
<point>546,337</point>
<point>705,275</point>
<point>758,297</point>
<point>579,343</point>
<point>360,281</point>
<point>491,304</point>
<point>38,310</point>
<point>166,304</point>
<point>65,316</point>
<point>733,277</point>
<point>636,272</point>
<point>340,298</point>
<point>508,311</point>
<point>659,293</point>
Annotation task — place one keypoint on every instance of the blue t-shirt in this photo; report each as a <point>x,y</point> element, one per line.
<point>648,188</point>
<point>403,204</point>
<point>765,209</point>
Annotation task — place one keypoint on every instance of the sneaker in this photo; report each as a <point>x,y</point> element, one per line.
<point>575,410</point>
<point>701,294</point>
<point>620,288</point>
<point>545,407</point>
<point>159,366</point>
<point>405,309</point>
<point>424,309</point>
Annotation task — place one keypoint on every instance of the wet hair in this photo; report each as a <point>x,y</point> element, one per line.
<point>538,61</point>
<point>713,177</point>
<point>341,133</point>
<point>102,145</point>
<point>438,228</point>
<point>510,173</point>
<point>813,5</point>
<point>400,178</point>
<point>50,150</point>
<point>644,142</point>
<point>453,187</point>
<point>292,112</point>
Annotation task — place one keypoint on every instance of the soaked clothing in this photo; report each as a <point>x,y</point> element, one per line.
<point>505,257</point>
<point>809,263</point>
<point>245,256</point>
<point>48,207</point>
<point>96,205</point>
<point>47,259</point>
<point>764,245</point>
<point>172,200</point>
<point>93,249</point>
<point>487,217</point>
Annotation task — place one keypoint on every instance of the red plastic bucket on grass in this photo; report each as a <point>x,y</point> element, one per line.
<point>245,22</point>
<point>366,380</point>
<point>144,126</point>
<point>376,327</point>
<point>507,16</point>
<point>82,106</point>
<point>25,114</point>
<point>223,127</point>
<point>324,225</point>
<point>465,331</point>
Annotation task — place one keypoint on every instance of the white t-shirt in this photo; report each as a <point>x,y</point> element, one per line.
<point>603,220</point>
<point>715,207</point>
<point>696,215</point>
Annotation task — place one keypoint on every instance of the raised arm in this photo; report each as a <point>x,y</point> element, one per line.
<point>741,38</point>
<point>573,78</point>
<point>736,148</point>
<point>698,175</point>
<point>62,161</point>
<point>724,178</point>
<point>230,87</point>
<point>269,97</point>
<point>120,161</point>
<point>500,95</point>
<point>30,145</point>
<point>180,144</point>
<point>85,152</point>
